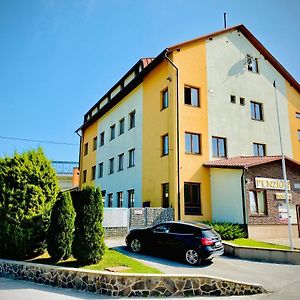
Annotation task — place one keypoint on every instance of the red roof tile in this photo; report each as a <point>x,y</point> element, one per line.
<point>245,162</point>
<point>146,61</point>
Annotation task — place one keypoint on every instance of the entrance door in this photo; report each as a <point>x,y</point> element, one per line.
<point>298,218</point>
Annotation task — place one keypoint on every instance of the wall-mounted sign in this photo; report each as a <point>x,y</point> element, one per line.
<point>281,196</point>
<point>138,211</point>
<point>270,183</point>
<point>282,213</point>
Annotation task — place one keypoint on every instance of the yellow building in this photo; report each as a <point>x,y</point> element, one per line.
<point>146,140</point>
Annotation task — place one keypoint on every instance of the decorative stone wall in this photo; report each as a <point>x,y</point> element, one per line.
<point>115,231</point>
<point>127,285</point>
<point>149,216</point>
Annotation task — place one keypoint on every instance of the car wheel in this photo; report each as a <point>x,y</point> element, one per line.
<point>136,245</point>
<point>192,257</point>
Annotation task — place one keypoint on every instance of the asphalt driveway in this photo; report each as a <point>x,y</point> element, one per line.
<point>274,277</point>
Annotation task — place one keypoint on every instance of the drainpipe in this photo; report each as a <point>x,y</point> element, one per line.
<point>79,160</point>
<point>243,199</point>
<point>177,133</point>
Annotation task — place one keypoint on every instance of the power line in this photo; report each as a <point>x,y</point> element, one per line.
<point>37,141</point>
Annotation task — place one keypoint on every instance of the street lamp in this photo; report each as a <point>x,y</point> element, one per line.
<point>284,171</point>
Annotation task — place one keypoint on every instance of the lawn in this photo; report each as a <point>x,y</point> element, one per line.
<point>110,259</point>
<point>253,243</point>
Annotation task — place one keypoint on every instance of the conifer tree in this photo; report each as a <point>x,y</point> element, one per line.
<point>88,245</point>
<point>28,190</point>
<point>61,229</point>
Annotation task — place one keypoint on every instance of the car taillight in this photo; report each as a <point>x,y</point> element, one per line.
<point>207,242</point>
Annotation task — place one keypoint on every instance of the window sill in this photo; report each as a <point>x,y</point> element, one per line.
<point>258,215</point>
<point>163,155</point>
<point>194,154</point>
<point>120,170</point>
<point>190,105</point>
<point>131,166</point>
<point>162,109</point>
<point>220,157</point>
<point>262,120</point>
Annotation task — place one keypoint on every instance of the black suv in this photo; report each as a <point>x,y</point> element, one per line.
<point>194,242</point>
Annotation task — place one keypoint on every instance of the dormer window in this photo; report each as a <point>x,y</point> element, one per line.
<point>251,63</point>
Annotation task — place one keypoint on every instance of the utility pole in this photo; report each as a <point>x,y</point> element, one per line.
<point>284,172</point>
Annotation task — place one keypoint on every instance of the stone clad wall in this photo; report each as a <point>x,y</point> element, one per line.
<point>127,285</point>
<point>149,216</point>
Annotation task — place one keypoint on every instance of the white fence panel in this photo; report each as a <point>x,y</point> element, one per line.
<point>115,217</point>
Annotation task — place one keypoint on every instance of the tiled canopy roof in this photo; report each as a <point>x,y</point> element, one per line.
<point>245,162</point>
<point>146,61</point>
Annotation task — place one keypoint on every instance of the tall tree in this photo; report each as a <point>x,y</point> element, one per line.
<point>28,190</point>
<point>61,229</point>
<point>88,245</point>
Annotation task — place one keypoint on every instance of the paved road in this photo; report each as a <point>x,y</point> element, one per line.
<point>276,278</point>
<point>23,290</point>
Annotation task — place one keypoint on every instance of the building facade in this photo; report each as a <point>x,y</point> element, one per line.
<point>146,140</point>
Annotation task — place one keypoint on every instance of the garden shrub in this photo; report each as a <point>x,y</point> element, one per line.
<point>28,190</point>
<point>228,231</point>
<point>61,229</point>
<point>88,244</point>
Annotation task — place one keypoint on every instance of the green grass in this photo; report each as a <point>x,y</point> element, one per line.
<point>253,243</point>
<point>111,258</point>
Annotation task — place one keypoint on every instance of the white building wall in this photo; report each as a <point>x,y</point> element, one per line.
<point>129,178</point>
<point>227,75</point>
<point>226,195</point>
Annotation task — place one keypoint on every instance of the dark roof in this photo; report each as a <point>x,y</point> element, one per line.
<point>148,64</point>
<point>245,162</point>
<point>255,42</point>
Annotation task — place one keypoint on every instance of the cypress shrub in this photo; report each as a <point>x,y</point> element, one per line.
<point>88,244</point>
<point>28,190</point>
<point>61,229</point>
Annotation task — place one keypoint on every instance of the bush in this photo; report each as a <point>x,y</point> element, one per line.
<point>228,231</point>
<point>61,229</point>
<point>88,245</point>
<point>28,189</point>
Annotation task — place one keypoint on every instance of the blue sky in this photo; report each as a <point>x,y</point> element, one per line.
<point>57,58</point>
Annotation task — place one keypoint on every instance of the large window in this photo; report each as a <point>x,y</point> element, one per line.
<point>192,143</point>
<point>111,166</point>
<point>130,198</point>
<point>219,147</point>
<point>93,175</point>
<point>121,162</point>
<point>100,170</point>
<point>297,115</point>
<point>165,144</point>
<point>192,199</point>
<point>86,149</point>
<point>132,119</point>
<point>112,132</point>
<point>101,139</point>
<point>121,126</point>
<point>120,199</point>
<point>256,111</point>
<point>110,200</point>
<point>257,201</point>
<point>165,195</point>
<point>131,161</point>
<point>94,143</point>
<point>259,149</point>
<point>191,96</point>
<point>165,99</point>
